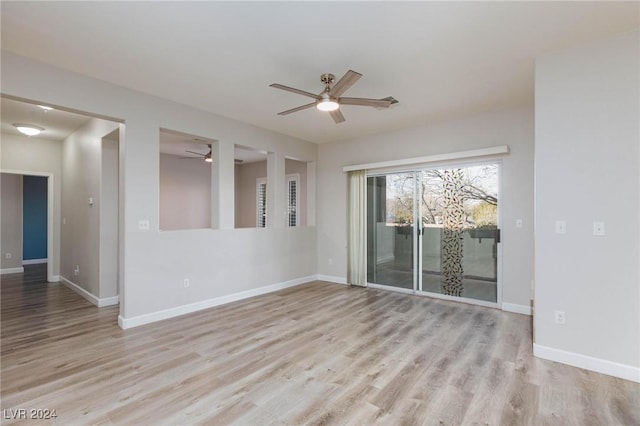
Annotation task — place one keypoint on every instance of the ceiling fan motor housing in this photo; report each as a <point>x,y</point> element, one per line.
<point>328,79</point>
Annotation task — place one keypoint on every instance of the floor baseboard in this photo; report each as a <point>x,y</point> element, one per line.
<point>331,279</point>
<point>598,365</point>
<point>6,271</point>
<point>136,321</point>
<point>99,302</point>
<point>515,308</point>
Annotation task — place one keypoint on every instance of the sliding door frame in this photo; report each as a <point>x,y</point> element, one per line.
<point>417,233</point>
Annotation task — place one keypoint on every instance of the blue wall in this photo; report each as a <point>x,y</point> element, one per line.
<point>34,217</point>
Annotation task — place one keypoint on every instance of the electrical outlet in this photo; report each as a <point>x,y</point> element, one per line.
<point>559,317</point>
<point>143,225</point>
<point>186,283</point>
<point>7,256</point>
<point>76,271</point>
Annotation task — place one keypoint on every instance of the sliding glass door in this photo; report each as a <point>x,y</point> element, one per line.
<point>435,230</point>
<point>391,230</point>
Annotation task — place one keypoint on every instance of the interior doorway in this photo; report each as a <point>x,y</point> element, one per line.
<point>14,226</point>
<point>436,230</point>
<point>34,220</point>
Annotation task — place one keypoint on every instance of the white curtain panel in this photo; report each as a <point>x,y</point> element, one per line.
<point>356,232</point>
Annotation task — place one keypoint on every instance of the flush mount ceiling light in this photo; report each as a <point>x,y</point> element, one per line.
<point>28,129</point>
<point>45,108</point>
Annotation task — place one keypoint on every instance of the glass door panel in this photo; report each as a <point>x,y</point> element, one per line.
<point>390,229</point>
<point>435,231</point>
<point>459,231</point>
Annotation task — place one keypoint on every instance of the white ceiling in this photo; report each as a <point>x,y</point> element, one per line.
<point>439,59</point>
<point>59,124</point>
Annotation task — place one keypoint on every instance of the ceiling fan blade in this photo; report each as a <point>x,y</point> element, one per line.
<point>300,108</point>
<point>390,99</point>
<point>344,83</point>
<point>298,91</point>
<point>337,116</point>
<point>196,153</point>
<point>377,103</point>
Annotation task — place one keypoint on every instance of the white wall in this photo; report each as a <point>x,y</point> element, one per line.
<point>81,180</point>
<point>290,253</point>
<point>185,193</point>
<point>11,219</point>
<point>512,127</point>
<point>33,154</point>
<point>587,169</point>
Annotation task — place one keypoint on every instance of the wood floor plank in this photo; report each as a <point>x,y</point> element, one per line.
<point>315,354</point>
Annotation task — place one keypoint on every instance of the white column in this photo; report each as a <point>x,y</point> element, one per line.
<point>222,186</point>
<point>311,193</point>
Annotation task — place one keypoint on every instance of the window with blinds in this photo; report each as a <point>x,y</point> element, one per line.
<point>261,203</point>
<point>292,199</point>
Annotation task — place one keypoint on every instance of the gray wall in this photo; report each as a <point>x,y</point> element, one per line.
<point>185,193</point>
<point>153,264</point>
<point>36,155</point>
<point>109,216</point>
<point>11,219</point>
<point>81,180</point>
<point>587,169</point>
<point>513,127</point>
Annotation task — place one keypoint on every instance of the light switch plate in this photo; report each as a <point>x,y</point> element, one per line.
<point>598,228</point>
<point>561,227</point>
<point>518,223</point>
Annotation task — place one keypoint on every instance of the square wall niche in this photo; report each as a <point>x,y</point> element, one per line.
<point>185,181</point>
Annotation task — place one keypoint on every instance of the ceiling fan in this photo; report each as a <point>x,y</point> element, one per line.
<point>331,97</point>
<point>207,157</point>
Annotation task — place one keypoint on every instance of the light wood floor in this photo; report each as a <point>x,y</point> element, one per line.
<point>314,354</point>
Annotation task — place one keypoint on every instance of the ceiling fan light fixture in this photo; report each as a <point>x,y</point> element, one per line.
<point>28,129</point>
<point>330,99</point>
<point>327,104</point>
